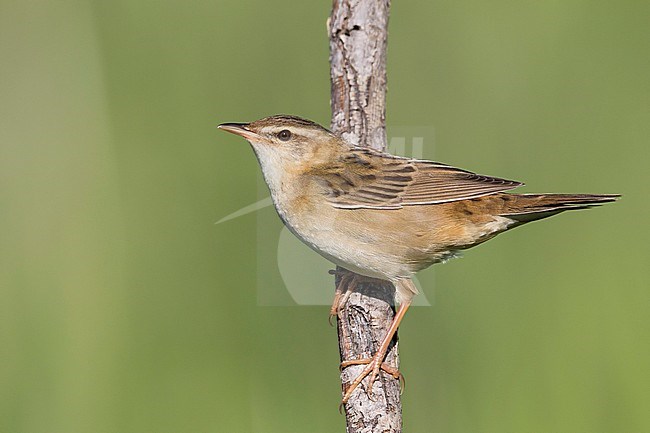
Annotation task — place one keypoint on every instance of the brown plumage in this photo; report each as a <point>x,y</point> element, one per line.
<point>384,216</point>
<point>365,178</point>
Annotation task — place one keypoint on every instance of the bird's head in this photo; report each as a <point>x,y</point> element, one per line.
<point>287,142</point>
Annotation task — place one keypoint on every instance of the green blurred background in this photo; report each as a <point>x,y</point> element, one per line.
<point>124,308</point>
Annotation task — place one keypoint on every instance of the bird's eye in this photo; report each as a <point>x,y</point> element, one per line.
<point>284,135</point>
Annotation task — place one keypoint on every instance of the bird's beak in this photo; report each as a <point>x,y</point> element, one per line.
<point>240,129</point>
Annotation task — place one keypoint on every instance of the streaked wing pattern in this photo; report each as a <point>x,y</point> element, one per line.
<point>369,179</point>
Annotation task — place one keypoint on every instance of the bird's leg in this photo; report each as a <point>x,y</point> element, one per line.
<point>346,286</point>
<point>343,290</point>
<point>376,363</point>
<point>352,285</point>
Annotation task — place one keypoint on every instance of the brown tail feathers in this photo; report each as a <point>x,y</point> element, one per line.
<point>530,207</point>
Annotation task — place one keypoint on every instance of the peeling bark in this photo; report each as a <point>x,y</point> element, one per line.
<point>358,31</point>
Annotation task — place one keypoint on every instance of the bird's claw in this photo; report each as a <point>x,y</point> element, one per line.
<point>344,289</point>
<point>374,365</point>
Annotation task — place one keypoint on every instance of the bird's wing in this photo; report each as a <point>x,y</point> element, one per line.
<point>365,178</point>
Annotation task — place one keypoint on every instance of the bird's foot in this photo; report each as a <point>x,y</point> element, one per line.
<point>344,289</point>
<point>374,365</point>
<point>347,285</point>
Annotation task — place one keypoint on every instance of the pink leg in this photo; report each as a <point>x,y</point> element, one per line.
<point>377,361</point>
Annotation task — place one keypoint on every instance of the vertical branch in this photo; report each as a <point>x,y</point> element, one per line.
<point>358,32</point>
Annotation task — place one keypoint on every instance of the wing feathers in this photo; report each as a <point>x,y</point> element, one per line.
<point>365,178</point>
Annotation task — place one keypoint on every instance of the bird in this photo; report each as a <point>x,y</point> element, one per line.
<point>383,216</point>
